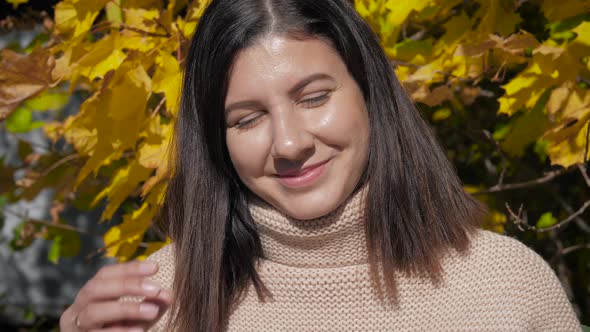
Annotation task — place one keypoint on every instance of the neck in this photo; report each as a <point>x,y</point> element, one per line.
<point>334,240</point>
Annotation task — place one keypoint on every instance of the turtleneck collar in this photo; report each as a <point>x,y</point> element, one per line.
<point>334,240</point>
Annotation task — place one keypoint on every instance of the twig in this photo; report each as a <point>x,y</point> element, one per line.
<point>60,162</point>
<point>48,223</point>
<point>562,269</point>
<point>518,185</point>
<point>490,137</point>
<point>582,168</point>
<point>103,249</point>
<point>580,222</point>
<point>567,250</point>
<point>157,109</point>
<point>523,224</point>
<point>587,140</point>
<point>143,32</point>
<point>564,251</point>
<point>168,32</point>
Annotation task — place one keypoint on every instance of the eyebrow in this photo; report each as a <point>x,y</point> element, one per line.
<point>293,91</point>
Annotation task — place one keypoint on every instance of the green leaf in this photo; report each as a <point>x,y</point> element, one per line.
<point>567,24</point>
<point>55,250</point>
<point>441,114</point>
<point>501,131</point>
<point>542,149</point>
<point>546,220</point>
<point>68,242</point>
<point>36,124</point>
<point>585,328</point>
<point>47,101</point>
<point>19,121</point>
<point>565,35</point>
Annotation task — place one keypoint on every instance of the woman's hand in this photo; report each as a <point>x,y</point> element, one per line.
<point>98,307</point>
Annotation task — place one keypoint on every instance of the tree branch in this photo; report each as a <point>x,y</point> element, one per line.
<point>523,224</point>
<point>531,183</point>
<point>48,223</point>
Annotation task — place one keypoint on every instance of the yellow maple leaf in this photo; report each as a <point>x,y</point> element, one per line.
<point>140,18</point>
<point>126,94</point>
<point>496,16</point>
<point>571,148</point>
<point>16,3</point>
<point>123,183</point>
<point>122,241</point>
<point>167,79</point>
<point>75,17</point>
<point>104,56</point>
<point>558,10</point>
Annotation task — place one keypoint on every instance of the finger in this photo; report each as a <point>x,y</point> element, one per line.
<point>108,289</point>
<point>163,301</point>
<point>99,314</point>
<point>66,320</point>
<point>134,268</point>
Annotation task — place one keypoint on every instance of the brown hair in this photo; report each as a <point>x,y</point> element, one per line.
<point>416,207</point>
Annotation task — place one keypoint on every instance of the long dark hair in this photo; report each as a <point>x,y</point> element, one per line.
<point>416,206</point>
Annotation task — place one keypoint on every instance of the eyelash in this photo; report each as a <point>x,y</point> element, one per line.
<point>316,101</point>
<point>311,102</point>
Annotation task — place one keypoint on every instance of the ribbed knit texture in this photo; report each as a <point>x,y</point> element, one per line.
<point>318,275</point>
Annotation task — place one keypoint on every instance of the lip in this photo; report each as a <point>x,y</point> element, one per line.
<point>304,176</point>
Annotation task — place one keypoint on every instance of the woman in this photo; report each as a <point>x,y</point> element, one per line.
<point>308,194</point>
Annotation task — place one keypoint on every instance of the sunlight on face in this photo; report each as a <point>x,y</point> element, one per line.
<point>297,125</point>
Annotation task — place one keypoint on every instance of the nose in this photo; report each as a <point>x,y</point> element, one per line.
<point>291,137</point>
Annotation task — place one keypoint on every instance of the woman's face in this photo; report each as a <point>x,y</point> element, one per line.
<point>297,125</point>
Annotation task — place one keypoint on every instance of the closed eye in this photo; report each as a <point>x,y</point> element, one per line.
<point>249,121</point>
<point>315,101</point>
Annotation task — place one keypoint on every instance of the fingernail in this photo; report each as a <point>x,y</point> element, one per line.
<point>150,288</point>
<point>148,310</point>
<point>147,267</point>
<point>136,329</point>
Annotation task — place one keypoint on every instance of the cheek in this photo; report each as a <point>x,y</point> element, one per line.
<point>344,124</point>
<point>248,152</point>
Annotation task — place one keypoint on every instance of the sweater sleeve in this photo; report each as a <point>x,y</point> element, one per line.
<point>550,307</point>
<point>164,277</point>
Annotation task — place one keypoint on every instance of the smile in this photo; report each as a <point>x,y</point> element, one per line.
<point>303,177</point>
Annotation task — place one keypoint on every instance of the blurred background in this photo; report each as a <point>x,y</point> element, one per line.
<point>89,91</point>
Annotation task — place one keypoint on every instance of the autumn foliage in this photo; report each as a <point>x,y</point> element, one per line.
<point>504,82</point>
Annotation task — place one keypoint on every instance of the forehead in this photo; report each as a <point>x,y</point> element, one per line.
<point>279,62</point>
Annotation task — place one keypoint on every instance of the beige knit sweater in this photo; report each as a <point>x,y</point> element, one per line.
<point>318,274</point>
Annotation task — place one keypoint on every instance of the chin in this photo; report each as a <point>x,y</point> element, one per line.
<point>308,214</point>
<point>311,206</point>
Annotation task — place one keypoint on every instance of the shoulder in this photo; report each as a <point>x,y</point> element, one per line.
<point>501,265</point>
<point>501,256</point>
<point>503,250</point>
<point>166,265</point>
